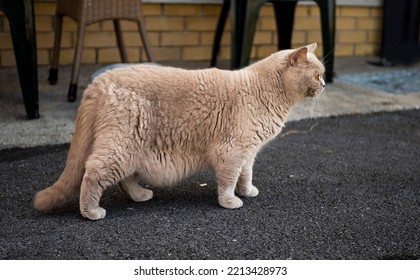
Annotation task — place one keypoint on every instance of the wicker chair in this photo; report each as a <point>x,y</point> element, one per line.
<point>85,12</point>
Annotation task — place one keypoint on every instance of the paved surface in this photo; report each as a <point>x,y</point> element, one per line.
<point>331,188</point>
<point>344,187</point>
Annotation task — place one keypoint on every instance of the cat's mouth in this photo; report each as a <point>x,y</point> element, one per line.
<point>313,92</point>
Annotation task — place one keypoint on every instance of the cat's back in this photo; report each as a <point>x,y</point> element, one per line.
<point>167,81</point>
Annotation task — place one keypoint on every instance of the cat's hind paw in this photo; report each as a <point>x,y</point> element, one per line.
<point>230,203</point>
<point>248,192</point>
<point>94,214</point>
<point>140,194</point>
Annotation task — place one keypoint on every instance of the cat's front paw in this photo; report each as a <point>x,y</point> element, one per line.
<point>230,203</point>
<point>248,192</point>
<point>94,214</point>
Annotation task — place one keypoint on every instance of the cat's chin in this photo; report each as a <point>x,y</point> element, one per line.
<point>315,93</point>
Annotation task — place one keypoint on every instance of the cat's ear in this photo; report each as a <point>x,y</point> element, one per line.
<point>311,48</point>
<point>299,56</point>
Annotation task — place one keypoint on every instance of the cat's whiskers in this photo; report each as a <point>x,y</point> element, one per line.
<point>316,103</point>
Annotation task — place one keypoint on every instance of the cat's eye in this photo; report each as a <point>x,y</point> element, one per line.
<point>316,77</point>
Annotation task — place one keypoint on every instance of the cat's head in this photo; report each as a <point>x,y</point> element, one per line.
<point>304,72</point>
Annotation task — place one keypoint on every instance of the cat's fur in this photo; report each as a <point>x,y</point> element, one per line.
<point>162,124</point>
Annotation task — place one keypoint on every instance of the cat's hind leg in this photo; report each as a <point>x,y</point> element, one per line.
<point>134,191</point>
<point>244,186</point>
<point>101,171</point>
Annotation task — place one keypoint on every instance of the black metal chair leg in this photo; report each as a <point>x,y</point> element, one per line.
<point>22,26</point>
<point>219,32</point>
<point>285,15</point>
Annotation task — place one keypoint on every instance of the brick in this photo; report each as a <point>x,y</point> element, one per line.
<point>46,40</point>
<point>99,39</point>
<point>353,11</point>
<point>67,55</point>
<point>126,25</point>
<point>313,11</point>
<point>196,53</point>
<point>211,10</point>
<point>376,12</point>
<point>6,41</point>
<point>310,23</point>
<point>179,38</point>
<point>371,23</point>
<point>224,53</point>
<point>152,9</point>
<point>302,11</point>
<point>45,8</point>
<point>164,24</point>
<point>266,23</point>
<point>314,37</point>
<point>8,58</point>
<point>132,39</point>
<point>5,24</point>
<point>366,49</point>
<point>43,57</point>
<point>68,24</point>
<point>133,54</point>
<point>352,37</point>
<point>264,51</point>
<point>94,27</point>
<point>129,25</point>
<point>201,23</point>
<point>206,38</point>
<point>263,37</point>
<point>345,23</point>
<point>298,37</point>
<point>66,39</point>
<point>167,53</point>
<point>266,10</point>
<point>374,37</point>
<point>344,50</point>
<point>108,55</point>
<point>181,10</point>
<point>43,23</point>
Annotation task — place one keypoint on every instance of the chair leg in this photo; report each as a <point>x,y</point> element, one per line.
<point>53,73</point>
<point>285,13</point>
<point>327,8</point>
<point>24,44</point>
<point>219,32</point>
<point>72,93</point>
<point>249,26</point>
<point>145,40</point>
<point>120,42</point>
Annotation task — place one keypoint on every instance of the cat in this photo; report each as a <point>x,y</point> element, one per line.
<point>162,124</point>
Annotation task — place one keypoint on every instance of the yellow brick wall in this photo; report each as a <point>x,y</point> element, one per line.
<point>185,32</point>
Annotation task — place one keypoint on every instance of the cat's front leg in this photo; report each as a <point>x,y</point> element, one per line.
<point>244,186</point>
<point>227,176</point>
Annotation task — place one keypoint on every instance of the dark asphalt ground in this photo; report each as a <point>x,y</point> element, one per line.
<point>330,188</point>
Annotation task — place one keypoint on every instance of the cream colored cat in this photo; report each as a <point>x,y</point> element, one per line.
<point>161,124</point>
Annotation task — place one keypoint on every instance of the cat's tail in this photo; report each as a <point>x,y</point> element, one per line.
<point>68,184</point>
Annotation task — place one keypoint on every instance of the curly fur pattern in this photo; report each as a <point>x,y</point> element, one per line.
<point>162,124</point>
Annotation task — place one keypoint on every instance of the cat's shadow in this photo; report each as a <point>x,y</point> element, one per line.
<point>188,194</point>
